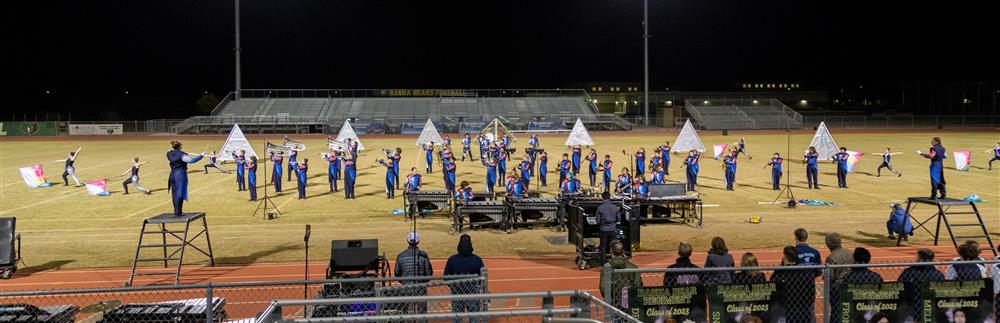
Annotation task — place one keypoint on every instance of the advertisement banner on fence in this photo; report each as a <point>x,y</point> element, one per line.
<point>29,128</point>
<point>873,302</point>
<point>958,301</point>
<point>736,303</point>
<point>662,304</point>
<point>96,129</point>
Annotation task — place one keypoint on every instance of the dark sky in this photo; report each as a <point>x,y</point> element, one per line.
<point>88,52</point>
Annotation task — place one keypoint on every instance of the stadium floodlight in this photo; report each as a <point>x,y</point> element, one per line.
<point>595,101</point>
<point>635,102</point>
<point>669,102</point>
<point>616,102</point>
<point>803,102</point>
<point>755,101</point>
<point>706,102</point>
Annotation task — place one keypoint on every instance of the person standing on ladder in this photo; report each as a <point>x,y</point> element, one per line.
<point>178,175</point>
<point>937,155</point>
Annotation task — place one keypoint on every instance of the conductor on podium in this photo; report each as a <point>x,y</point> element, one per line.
<point>178,175</point>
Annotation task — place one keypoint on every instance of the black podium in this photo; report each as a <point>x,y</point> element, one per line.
<point>955,214</point>
<point>178,229</point>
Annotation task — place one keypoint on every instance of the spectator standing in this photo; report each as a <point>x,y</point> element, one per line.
<point>749,276</point>
<point>465,263</point>
<point>683,261</point>
<point>719,257</point>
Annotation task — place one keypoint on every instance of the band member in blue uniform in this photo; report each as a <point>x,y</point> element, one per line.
<point>501,162</point>
<point>565,167</point>
<point>252,177</point>
<point>656,160</point>
<point>624,183</point>
<point>464,193</point>
<point>525,168</point>
<point>514,187</point>
<point>606,168</point>
<point>446,141</point>
<point>741,147</point>
<point>133,176</point>
<point>592,158</point>
<point>730,165</point>
<point>350,175</point>
<point>484,145</point>
<point>178,175</point>
<point>577,151</point>
<point>640,161</point>
<point>505,142</point>
<point>390,178</point>
<point>241,164</point>
<point>213,161</point>
<point>812,167</point>
<point>354,148</point>
<point>533,152</point>
<point>428,156</point>
<point>332,169</point>
<point>936,154</point>
<point>491,173</point>
<point>658,177</point>
<point>467,148</point>
<point>449,173</point>
<point>996,155</point>
<point>691,169</point>
<point>301,171</point>
<point>293,164</point>
<point>276,170</point>
<point>887,163</point>
<point>543,168</point>
<point>776,171</point>
<point>413,181</point>
<point>665,154</point>
<point>69,170</point>
<point>396,157</point>
<point>570,185</point>
<point>840,159</point>
<point>641,187</point>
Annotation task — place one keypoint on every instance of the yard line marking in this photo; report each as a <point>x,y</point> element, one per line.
<point>165,202</point>
<point>43,202</point>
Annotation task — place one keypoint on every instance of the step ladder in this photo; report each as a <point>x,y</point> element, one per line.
<point>176,229</point>
<point>954,214</point>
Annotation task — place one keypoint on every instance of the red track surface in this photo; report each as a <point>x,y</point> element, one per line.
<point>506,274</point>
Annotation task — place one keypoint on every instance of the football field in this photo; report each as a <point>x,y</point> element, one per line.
<point>65,227</point>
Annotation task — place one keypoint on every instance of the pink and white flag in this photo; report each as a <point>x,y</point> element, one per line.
<point>98,188</point>
<point>719,149</point>
<point>34,176</point>
<point>962,158</point>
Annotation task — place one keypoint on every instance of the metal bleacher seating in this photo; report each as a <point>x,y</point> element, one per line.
<point>742,114</point>
<point>542,111</point>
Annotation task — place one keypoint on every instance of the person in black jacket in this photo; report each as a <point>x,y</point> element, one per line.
<point>413,262</point>
<point>912,278</point>
<point>799,286</point>
<point>862,275</point>
<point>464,263</point>
<point>749,276</point>
<point>608,217</point>
<point>683,261</point>
<point>719,256</point>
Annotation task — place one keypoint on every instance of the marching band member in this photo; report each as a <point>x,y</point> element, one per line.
<point>543,168</point>
<point>178,180</point>
<point>730,167</point>
<point>413,181</point>
<point>491,173</point>
<point>292,163</point>
<point>390,178</point>
<point>741,147</point>
<point>657,177</point>
<point>640,161</point>
<point>533,152</point>
<point>526,171</point>
<point>841,160</point>
<point>937,155</point>
<point>332,170</point>
<point>565,167</point>
<point>69,170</point>
<point>354,148</point>
<point>505,142</point>
<point>607,167</point>
<point>887,163</point>
<point>665,154</point>
<point>134,177</point>
<point>576,160</point>
<point>252,177</point>
<point>241,163</point>
<point>446,141</point>
<point>350,175</point>
<point>812,168</point>
<point>449,173</point>
<point>656,160</point>
<point>428,156</point>
<point>501,161</point>
<point>467,148</point>
<point>514,187</point>
<point>996,155</point>
<point>640,188</point>
<point>570,185</point>
<point>624,183</point>
<point>776,171</point>
<point>396,157</point>
<point>301,170</point>
<point>213,162</point>
<point>484,145</point>
<point>276,171</point>
<point>464,193</point>
<point>592,158</point>
<point>691,169</point>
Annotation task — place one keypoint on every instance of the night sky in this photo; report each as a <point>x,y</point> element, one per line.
<point>87,53</point>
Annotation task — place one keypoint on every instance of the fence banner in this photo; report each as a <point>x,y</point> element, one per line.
<point>746,303</point>
<point>873,302</point>
<point>29,128</point>
<point>96,129</point>
<point>958,301</point>
<point>659,304</point>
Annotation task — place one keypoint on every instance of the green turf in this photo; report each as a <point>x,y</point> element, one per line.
<point>65,227</point>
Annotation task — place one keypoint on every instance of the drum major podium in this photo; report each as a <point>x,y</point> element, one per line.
<point>177,229</point>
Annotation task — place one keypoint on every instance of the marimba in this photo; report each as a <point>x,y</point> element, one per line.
<point>481,213</point>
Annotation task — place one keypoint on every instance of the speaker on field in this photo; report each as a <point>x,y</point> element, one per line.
<point>352,255</point>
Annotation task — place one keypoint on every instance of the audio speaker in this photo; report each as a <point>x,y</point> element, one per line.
<point>350,255</point>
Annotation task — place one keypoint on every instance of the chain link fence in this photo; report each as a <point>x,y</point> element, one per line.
<point>229,301</point>
<point>901,292</point>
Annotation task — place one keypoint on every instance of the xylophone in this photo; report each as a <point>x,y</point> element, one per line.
<point>536,210</point>
<point>416,202</point>
<point>481,213</point>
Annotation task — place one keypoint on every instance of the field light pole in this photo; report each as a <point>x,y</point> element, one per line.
<point>236,51</point>
<point>645,59</point>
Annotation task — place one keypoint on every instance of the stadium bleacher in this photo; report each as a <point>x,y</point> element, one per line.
<point>272,112</point>
<point>742,114</point>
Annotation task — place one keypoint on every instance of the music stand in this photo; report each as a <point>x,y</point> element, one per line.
<point>786,192</point>
<point>264,201</point>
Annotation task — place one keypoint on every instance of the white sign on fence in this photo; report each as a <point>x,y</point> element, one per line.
<point>96,129</point>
